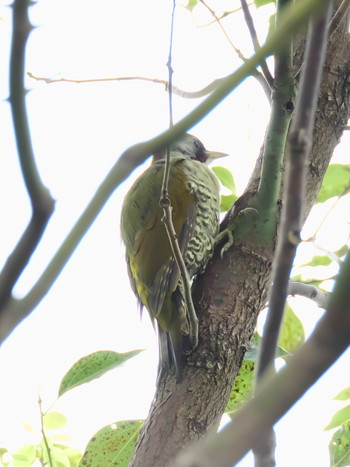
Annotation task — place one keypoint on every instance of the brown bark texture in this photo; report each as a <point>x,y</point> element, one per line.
<point>231,293</point>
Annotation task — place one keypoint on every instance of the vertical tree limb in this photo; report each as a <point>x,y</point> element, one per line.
<point>298,150</point>
<point>41,201</point>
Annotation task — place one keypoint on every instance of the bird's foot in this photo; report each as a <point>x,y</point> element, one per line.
<point>236,228</point>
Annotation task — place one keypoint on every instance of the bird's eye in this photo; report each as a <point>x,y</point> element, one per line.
<point>196,144</point>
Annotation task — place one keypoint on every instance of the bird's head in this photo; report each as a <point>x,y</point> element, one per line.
<point>191,147</point>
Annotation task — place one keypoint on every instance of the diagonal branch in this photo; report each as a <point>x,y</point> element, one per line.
<point>135,155</point>
<point>41,201</point>
<point>250,24</point>
<point>266,85</point>
<point>298,150</point>
<point>277,394</point>
<point>320,297</point>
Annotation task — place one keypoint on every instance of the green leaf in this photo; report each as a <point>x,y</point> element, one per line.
<point>191,4</point>
<point>342,251</point>
<point>319,261</point>
<point>113,445</point>
<point>225,177</point>
<point>3,462</point>
<point>242,389</point>
<point>54,420</point>
<point>339,418</point>
<point>93,366</point>
<point>343,395</point>
<point>335,183</point>
<point>226,202</point>
<point>259,3</point>
<point>315,282</point>
<point>24,456</point>
<point>252,354</point>
<point>339,447</point>
<point>74,455</point>
<point>292,333</point>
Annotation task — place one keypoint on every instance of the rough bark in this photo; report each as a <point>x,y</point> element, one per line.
<point>229,296</point>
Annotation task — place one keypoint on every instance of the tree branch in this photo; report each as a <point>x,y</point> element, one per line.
<point>256,74</point>
<point>229,296</point>
<point>250,24</point>
<point>276,394</point>
<point>298,150</point>
<point>320,297</point>
<point>41,202</point>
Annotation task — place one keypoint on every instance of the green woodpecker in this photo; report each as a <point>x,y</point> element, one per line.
<point>154,275</point>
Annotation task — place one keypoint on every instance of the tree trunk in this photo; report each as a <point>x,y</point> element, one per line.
<point>229,296</point>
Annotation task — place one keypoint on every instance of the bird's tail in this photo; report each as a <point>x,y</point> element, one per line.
<point>170,348</point>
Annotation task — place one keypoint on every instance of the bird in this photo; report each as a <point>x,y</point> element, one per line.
<point>153,271</point>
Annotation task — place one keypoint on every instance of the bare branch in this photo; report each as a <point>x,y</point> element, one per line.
<point>224,15</point>
<point>41,201</point>
<point>321,297</point>
<point>131,158</point>
<point>250,24</point>
<point>165,203</point>
<point>276,394</point>
<point>298,150</point>
<point>179,92</point>
<point>258,76</point>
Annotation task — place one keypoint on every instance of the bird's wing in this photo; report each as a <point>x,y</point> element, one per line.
<point>150,257</point>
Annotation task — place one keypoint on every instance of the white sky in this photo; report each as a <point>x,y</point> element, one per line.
<point>78,131</point>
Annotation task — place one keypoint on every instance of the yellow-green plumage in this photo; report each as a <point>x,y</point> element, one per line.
<point>154,275</point>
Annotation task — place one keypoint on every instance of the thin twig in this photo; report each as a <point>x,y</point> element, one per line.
<point>250,24</point>
<point>165,203</point>
<point>48,450</point>
<point>225,14</point>
<point>256,74</point>
<point>175,90</point>
<point>16,310</point>
<point>324,219</point>
<point>41,201</point>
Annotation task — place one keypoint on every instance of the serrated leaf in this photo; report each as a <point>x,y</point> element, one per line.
<point>292,333</point>
<point>54,420</point>
<point>113,445</point>
<point>242,389</point>
<point>335,182</point>
<point>225,177</point>
<point>343,395</point>
<point>339,418</point>
<point>93,366</point>
<point>226,202</point>
<point>339,447</point>
<point>318,260</point>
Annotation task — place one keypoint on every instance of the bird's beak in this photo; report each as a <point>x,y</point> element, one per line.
<point>212,155</point>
